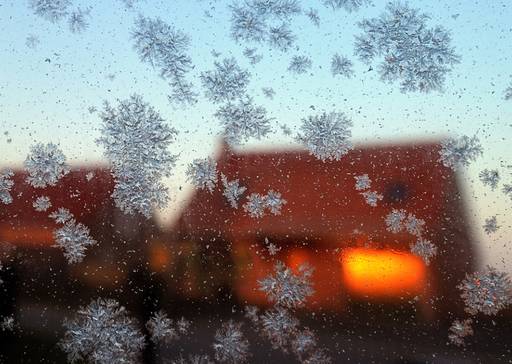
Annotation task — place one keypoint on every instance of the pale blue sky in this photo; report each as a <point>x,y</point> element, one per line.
<point>48,101</point>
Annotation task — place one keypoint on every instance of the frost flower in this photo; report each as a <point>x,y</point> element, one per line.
<point>6,184</point>
<point>232,191</point>
<point>230,344</point>
<point>46,165</point>
<point>457,153</point>
<point>42,203</point>
<point>74,239</point>
<point>203,173</point>
<point>424,249</point>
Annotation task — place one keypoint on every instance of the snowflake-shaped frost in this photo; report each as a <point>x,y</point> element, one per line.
<point>363,182</point>
<point>247,24</point>
<point>230,344</point>
<point>312,14</point>
<point>102,333</point>
<point>413,225</point>
<point>42,203</point>
<point>299,64</point>
<point>459,331</point>
<point>395,221</point>
<point>203,173</point>
<point>6,184</point>
<point>372,197</point>
<point>136,141</point>
<point>417,56</point>
<point>74,239</point>
<point>424,249</point>
<point>490,177</point>
<point>348,5</point>
<point>487,292</point>
<point>507,190</point>
<point>303,343</point>
<point>46,165</point>
<point>161,328</point>
<point>51,10</point>
<point>459,152</point>
<point>256,205</point>
<point>252,56</point>
<point>243,120</point>
<point>281,37</point>
<point>279,326</point>
<point>226,82</point>
<point>286,288</point>
<point>491,225</point>
<point>275,202</point>
<point>326,136</point>
<point>78,20</point>
<point>507,95</point>
<point>32,41</point>
<point>232,191</point>
<point>268,92</point>
<point>61,215</point>
<point>341,66</point>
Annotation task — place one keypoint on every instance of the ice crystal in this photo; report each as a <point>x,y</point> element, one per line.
<point>183,326</point>
<point>6,184</point>
<point>268,92</point>
<point>507,190</point>
<point>232,191</point>
<point>32,41</point>
<point>279,326</point>
<point>226,82</point>
<point>136,139</point>
<point>101,333</point>
<point>395,221</point>
<point>46,165</point>
<point>7,323</point>
<point>247,24</point>
<point>42,203</point>
<point>508,93</point>
<point>77,20</point>
<point>281,9</point>
<point>251,312</point>
<point>61,215</point>
<point>459,152</point>
<point>490,178</point>
<point>230,344</point>
<point>459,331</point>
<point>193,359</point>
<point>413,225</point>
<point>486,292</point>
<point>303,343</point>
<point>271,247</point>
<point>89,176</point>
<point>299,64</point>
<point>252,56</point>
<point>161,328</point>
<point>274,202</point>
<point>491,225</point>
<point>363,182</point>
<point>74,239</point>
<point>51,10</point>
<point>319,356</point>
<point>326,136</point>
<point>348,5</point>
<point>424,249</point>
<point>281,37</point>
<point>255,205</point>
<point>372,197</point>
<point>312,14</point>
<point>243,120</point>
<point>417,56</point>
<point>203,173</point>
<point>165,49</point>
<point>341,66</point>
<point>286,288</point>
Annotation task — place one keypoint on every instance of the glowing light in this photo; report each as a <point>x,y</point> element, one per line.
<point>382,273</point>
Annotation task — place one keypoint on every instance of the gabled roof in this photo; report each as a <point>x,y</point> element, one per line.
<point>321,196</point>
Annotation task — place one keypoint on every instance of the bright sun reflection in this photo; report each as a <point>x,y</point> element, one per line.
<point>377,273</point>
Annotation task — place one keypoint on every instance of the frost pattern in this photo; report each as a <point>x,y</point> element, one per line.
<point>486,292</point>
<point>491,225</point>
<point>424,249</point>
<point>32,41</point>
<point>230,344</point>
<point>164,330</point>
<point>286,288</point>
<point>232,191</point>
<point>300,64</point>
<point>61,215</point>
<point>413,225</point>
<point>46,165</point>
<point>278,326</point>
<point>459,152</point>
<point>326,136</point>
<point>136,139</point>
<point>51,10</point>
<point>77,20</point>
<point>243,120</point>
<point>417,56</point>
<point>74,239</point>
<point>507,190</point>
<point>363,182</point>
<point>268,92</point>
<point>275,202</point>
<point>395,220</point>
<point>42,203</point>
<point>6,184</point>
<point>490,178</point>
<point>281,37</point>
<point>203,173</point>
<point>255,205</point>
<point>226,82</point>
<point>507,95</point>
<point>165,49</point>
<point>348,5</point>
<point>102,333</point>
<point>341,66</point>
<point>252,56</point>
<point>193,359</point>
<point>372,197</point>
<point>459,331</point>
<point>312,14</point>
